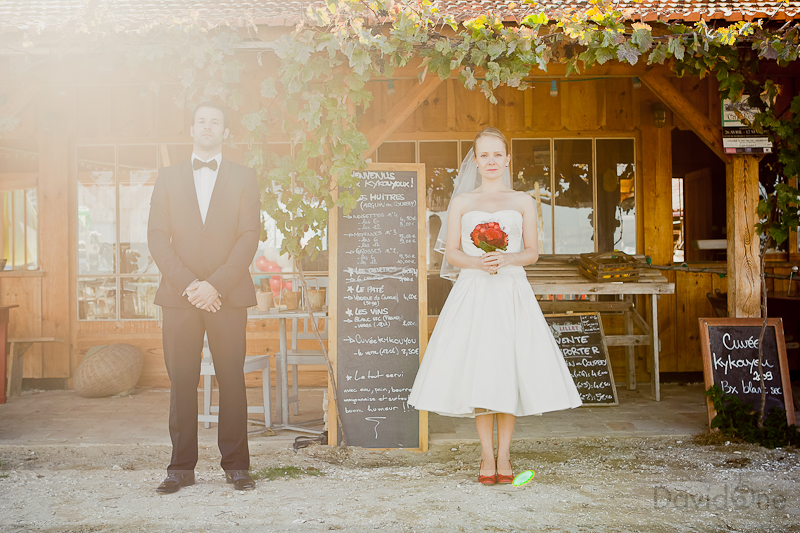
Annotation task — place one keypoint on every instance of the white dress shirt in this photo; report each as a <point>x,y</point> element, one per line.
<point>204,181</point>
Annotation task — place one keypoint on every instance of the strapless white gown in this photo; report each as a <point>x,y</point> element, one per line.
<point>491,349</point>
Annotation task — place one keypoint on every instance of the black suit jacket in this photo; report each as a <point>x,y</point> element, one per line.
<point>219,251</point>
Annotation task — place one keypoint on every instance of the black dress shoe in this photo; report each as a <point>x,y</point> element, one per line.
<point>241,479</point>
<point>174,482</point>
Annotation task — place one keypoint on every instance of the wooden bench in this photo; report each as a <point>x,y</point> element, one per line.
<point>16,353</point>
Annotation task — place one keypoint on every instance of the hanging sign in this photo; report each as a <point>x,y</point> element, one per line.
<point>737,137</point>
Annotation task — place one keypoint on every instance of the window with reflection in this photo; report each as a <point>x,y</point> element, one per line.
<point>441,168</point>
<point>588,202</point>
<point>137,176</point>
<point>19,205</point>
<point>117,277</point>
<point>573,192</point>
<point>584,191</point>
<point>441,159</point>
<point>615,210</point>
<point>19,240</point>
<point>531,164</point>
<point>97,206</point>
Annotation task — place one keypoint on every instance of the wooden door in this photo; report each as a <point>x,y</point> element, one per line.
<point>697,213</point>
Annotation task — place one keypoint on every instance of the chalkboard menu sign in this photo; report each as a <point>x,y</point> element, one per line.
<point>379,318</point>
<point>582,342</point>
<point>730,360</point>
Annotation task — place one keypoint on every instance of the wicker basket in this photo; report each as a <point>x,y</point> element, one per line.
<point>108,370</point>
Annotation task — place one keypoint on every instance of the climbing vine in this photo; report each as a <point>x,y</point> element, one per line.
<point>326,62</point>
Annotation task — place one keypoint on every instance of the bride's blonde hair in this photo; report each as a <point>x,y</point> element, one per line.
<point>491,132</point>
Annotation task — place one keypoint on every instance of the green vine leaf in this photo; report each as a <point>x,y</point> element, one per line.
<point>658,54</point>
<point>268,88</point>
<point>676,48</point>
<point>642,37</point>
<point>602,55</point>
<point>628,53</point>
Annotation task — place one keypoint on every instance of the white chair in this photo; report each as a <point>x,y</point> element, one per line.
<point>295,356</point>
<point>252,363</point>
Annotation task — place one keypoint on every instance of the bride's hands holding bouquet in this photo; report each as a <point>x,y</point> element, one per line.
<point>494,261</point>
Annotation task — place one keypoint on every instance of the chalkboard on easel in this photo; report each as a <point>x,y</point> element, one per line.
<point>730,360</point>
<point>582,341</point>
<point>379,313</point>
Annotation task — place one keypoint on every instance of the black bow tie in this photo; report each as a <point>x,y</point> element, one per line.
<point>197,164</point>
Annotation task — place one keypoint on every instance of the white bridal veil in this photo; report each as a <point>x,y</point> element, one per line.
<point>467,180</point>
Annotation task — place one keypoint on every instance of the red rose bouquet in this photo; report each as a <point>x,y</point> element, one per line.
<point>489,237</point>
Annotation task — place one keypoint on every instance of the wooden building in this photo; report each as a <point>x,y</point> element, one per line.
<point>77,170</point>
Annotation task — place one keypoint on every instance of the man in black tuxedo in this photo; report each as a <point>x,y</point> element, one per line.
<point>203,234</point>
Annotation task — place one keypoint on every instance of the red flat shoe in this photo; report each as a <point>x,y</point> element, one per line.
<point>505,480</point>
<point>486,480</point>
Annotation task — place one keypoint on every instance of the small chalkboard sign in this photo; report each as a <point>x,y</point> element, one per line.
<point>582,341</point>
<point>730,360</point>
<point>378,318</point>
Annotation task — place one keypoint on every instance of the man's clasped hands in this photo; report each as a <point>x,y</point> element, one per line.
<point>204,296</point>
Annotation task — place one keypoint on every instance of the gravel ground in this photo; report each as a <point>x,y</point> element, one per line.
<point>613,485</point>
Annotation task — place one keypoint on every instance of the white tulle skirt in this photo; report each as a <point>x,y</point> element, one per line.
<point>492,351</point>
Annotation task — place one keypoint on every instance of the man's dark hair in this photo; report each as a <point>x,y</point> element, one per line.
<point>214,105</point>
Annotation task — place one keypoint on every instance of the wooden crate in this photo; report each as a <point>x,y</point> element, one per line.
<point>611,266</point>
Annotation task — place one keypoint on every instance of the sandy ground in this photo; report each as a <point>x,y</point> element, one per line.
<point>633,484</point>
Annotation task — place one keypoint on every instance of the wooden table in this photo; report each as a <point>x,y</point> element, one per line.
<point>560,275</point>
<point>281,366</point>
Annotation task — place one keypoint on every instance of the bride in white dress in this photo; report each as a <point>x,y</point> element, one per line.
<point>491,353</point>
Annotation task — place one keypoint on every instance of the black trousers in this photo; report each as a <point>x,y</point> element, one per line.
<point>182,335</point>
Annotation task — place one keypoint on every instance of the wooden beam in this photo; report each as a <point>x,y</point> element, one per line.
<point>709,133</point>
<point>451,104</point>
<point>612,69</point>
<point>656,190</point>
<point>401,110</point>
<point>744,263</point>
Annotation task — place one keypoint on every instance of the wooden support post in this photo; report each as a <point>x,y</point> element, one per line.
<point>656,196</point>
<point>656,188</point>
<point>401,110</point>
<point>744,284</point>
<point>55,120</point>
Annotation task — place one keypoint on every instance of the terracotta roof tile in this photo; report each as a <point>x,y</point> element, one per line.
<point>65,14</point>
